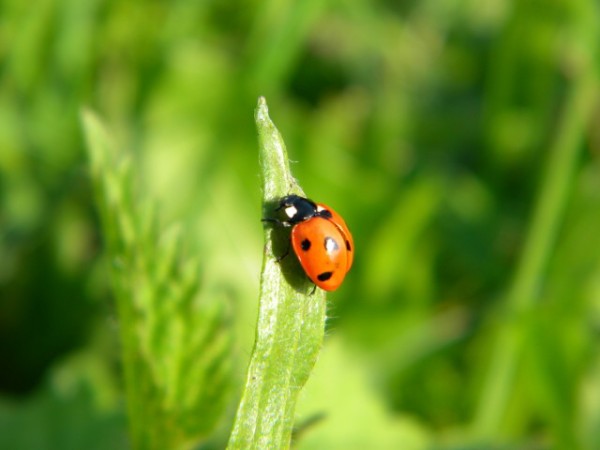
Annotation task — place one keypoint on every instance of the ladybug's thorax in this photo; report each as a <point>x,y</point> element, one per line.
<point>298,209</point>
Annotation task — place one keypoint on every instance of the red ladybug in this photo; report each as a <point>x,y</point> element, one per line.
<point>320,239</point>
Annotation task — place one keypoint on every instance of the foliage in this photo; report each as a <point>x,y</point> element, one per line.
<point>291,318</point>
<point>174,336</point>
<point>458,139</point>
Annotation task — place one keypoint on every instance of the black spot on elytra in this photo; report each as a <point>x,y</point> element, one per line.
<point>305,245</point>
<point>330,244</point>
<point>348,247</point>
<point>324,276</point>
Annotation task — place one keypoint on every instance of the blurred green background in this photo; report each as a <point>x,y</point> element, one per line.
<point>435,127</point>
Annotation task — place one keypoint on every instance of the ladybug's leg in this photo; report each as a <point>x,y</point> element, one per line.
<point>313,290</point>
<point>280,257</point>
<point>281,223</point>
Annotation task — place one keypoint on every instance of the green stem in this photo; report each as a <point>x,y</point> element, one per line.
<point>291,321</point>
<point>523,294</point>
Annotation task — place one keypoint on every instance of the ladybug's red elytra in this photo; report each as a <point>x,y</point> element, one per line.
<point>320,238</point>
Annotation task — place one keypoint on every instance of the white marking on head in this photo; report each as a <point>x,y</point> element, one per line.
<point>320,208</point>
<point>291,211</point>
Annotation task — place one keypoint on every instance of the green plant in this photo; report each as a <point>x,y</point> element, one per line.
<point>174,335</point>
<point>291,321</point>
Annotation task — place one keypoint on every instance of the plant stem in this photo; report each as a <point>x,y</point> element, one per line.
<point>523,294</point>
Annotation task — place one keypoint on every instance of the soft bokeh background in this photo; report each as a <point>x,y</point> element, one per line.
<point>427,124</point>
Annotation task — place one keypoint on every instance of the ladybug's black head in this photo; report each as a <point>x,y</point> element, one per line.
<point>297,209</point>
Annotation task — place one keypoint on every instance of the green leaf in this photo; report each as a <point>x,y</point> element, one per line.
<point>175,337</point>
<point>291,319</point>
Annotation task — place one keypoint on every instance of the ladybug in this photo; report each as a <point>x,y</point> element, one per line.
<point>320,238</point>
